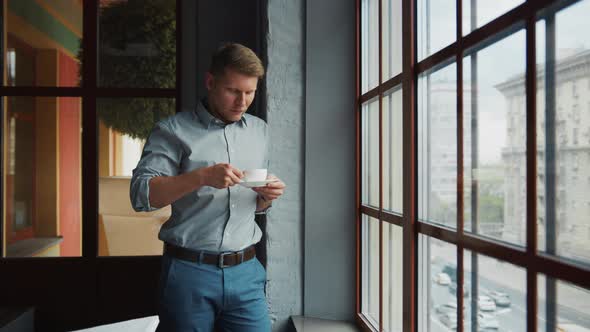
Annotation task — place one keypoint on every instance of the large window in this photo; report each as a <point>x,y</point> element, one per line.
<point>84,83</point>
<point>474,155</point>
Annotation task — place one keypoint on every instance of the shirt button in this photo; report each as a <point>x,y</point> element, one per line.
<point>233,206</point>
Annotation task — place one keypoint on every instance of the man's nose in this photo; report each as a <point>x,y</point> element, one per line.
<point>241,99</point>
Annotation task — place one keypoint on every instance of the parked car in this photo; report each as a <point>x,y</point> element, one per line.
<point>502,299</point>
<point>450,306</point>
<point>485,303</point>
<point>449,320</point>
<point>453,289</point>
<point>487,322</point>
<point>442,279</point>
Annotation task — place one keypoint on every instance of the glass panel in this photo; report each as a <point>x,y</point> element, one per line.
<point>370,153</point>
<point>392,277</point>
<point>124,124</point>
<point>43,41</point>
<point>437,277</point>
<point>137,45</point>
<point>494,293</point>
<point>393,151</point>
<point>562,306</point>
<point>563,133</point>
<point>495,140</point>
<point>437,146</point>
<point>392,38</point>
<point>437,26</point>
<point>42,176</point>
<point>477,13</point>
<point>370,269</point>
<point>370,44</point>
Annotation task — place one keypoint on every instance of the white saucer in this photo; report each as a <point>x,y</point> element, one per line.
<point>254,184</point>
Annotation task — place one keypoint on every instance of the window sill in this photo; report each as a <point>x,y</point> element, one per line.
<point>32,247</point>
<point>309,324</point>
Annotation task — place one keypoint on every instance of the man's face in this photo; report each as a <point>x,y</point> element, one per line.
<point>230,94</point>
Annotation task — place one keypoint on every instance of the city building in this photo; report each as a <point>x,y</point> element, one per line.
<point>572,156</point>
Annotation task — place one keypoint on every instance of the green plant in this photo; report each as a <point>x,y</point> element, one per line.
<point>137,49</point>
<point>134,116</point>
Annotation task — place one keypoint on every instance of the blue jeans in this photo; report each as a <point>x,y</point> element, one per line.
<point>198,297</point>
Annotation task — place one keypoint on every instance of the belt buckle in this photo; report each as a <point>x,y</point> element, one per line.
<point>221,263</point>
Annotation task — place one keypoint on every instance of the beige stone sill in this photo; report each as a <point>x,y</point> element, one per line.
<point>309,324</point>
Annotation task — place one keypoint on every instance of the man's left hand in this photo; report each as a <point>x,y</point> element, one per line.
<point>272,190</point>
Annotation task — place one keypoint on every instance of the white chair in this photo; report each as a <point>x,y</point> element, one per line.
<point>122,231</point>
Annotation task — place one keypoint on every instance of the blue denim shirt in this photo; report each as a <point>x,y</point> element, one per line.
<point>208,219</point>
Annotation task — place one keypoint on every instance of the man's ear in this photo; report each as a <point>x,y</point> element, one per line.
<point>209,81</point>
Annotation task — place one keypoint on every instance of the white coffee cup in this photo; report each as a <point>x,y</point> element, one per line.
<point>251,175</point>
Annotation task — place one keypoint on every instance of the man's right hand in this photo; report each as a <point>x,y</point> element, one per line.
<point>220,176</point>
<point>165,190</point>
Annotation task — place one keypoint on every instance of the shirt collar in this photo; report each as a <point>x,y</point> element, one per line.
<point>207,118</point>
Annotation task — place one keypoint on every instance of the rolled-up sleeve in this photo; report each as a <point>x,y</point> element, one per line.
<point>161,156</point>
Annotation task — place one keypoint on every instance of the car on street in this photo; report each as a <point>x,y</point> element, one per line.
<point>485,303</point>
<point>442,279</point>
<point>453,289</point>
<point>502,299</point>
<point>487,322</point>
<point>450,306</point>
<point>449,320</point>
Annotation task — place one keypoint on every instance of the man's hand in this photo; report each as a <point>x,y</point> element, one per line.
<point>221,176</point>
<point>272,190</point>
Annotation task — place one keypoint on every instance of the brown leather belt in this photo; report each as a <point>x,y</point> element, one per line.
<point>222,260</point>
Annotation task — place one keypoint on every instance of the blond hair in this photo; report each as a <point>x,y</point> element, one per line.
<point>237,57</point>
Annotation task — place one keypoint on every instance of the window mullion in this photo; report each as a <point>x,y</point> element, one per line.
<point>550,166</point>
<point>460,203</point>
<point>380,75</point>
<point>531,177</point>
<point>409,116</point>
<point>89,132</point>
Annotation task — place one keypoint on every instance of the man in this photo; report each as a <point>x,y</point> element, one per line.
<point>194,161</point>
